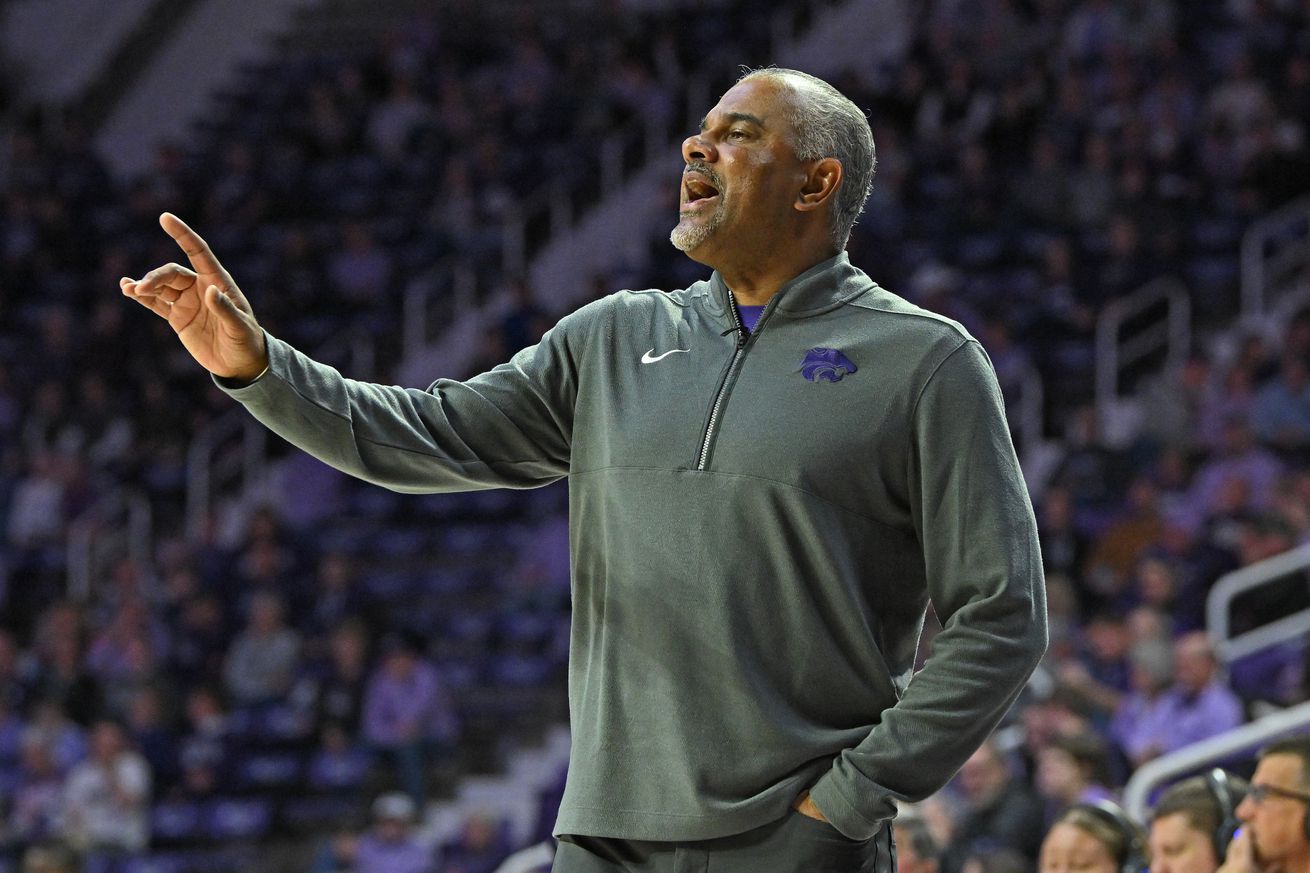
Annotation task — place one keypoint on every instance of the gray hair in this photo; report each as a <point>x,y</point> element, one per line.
<point>826,124</point>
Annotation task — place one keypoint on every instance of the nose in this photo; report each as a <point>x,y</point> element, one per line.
<point>697,148</point>
<point>1246,809</point>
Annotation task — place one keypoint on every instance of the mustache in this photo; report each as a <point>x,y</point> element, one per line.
<point>705,170</point>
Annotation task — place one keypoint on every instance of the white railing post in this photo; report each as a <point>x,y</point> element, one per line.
<point>1032,406</point>
<point>1218,605</point>
<point>1262,269</point>
<point>1115,353</point>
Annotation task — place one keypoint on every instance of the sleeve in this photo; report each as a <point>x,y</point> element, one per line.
<point>976,527</point>
<point>510,427</point>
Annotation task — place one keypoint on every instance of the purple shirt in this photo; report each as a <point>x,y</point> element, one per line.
<point>750,316</point>
<point>1174,719</point>
<point>406,710</point>
<point>1197,716</point>
<point>380,856</point>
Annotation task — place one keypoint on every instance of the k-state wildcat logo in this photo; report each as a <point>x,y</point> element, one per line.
<point>826,365</point>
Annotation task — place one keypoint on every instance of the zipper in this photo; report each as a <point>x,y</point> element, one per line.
<point>743,339</point>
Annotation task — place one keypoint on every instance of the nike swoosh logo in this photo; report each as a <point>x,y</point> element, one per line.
<point>649,358</point>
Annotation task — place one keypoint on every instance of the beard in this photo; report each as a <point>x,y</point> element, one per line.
<point>690,234</point>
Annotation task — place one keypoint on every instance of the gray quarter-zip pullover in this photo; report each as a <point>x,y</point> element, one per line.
<point>758,523</point>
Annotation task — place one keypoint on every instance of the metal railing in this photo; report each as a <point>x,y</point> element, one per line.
<point>1274,250</point>
<point>214,464</point>
<point>1218,606</point>
<point>454,281</point>
<point>1198,755</point>
<point>117,525</point>
<point>1117,350</point>
<point>231,454</point>
<point>1032,410</point>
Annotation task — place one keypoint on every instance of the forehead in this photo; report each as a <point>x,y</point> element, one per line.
<point>1282,771</point>
<point>1068,838</point>
<point>1174,828</point>
<point>761,100</point>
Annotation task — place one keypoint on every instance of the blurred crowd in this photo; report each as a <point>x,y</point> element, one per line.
<point>1038,160</point>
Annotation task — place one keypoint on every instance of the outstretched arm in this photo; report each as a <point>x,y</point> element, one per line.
<point>510,427</point>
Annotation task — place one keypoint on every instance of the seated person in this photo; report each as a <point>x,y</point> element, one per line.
<point>1093,838</point>
<point>1193,823</point>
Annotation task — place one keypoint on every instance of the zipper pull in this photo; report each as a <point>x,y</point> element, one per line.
<point>741,334</point>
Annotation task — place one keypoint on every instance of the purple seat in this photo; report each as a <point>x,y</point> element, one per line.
<point>235,819</point>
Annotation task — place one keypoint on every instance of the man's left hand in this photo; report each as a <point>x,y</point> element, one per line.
<point>805,806</point>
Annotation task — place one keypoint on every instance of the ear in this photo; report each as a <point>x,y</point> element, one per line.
<point>820,184</point>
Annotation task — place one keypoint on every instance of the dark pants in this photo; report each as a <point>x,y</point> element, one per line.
<point>793,844</point>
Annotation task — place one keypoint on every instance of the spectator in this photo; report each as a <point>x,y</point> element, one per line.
<point>340,764</point>
<point>389,846</point>
<point>1281,417</point>
<point>1240,462</point>
<point>1141,725</point>
<point>1095,838</point>
<point>1273,814</point>
<point>916,849</point>
<point>407,716</point>
<point>1099,677</point>
<point>64,739</point>
<point>107,797</point>
<point>1072,770</point>
<point>480,847</point>
<point>1176,399</point>
<point>205,753</point>
<point>1000,811</point>
<point>1199,705</point>
<point>334,691</point>
<point>1192,824</point>
<point>262,660</point>
<point>35,810</point>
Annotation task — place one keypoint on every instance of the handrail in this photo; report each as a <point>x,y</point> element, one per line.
<point>205,471</point>
<point>1217,748</point>
<point>118,512</point>
<point>1260,271</point>
<point>202,460</point>
<point>1115,353</point>
<point>1032,409</point>
<point>1219,602</point>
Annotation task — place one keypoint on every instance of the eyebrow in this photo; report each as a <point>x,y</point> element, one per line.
<point>736,116</point>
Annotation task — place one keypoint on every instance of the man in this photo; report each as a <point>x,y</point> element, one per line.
<point>1275,814</point>
<point>999,810</point>
<point>390,846</point>
<point>107,796</point>
<point>407,715</point>
<point>1191,824</point>
<point>916,848</point>
<point>1201,703</point>
<point>772,472</point>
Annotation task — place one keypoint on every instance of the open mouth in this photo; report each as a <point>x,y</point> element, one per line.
<point>697,189</point>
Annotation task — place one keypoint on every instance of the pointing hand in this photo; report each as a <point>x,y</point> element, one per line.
<point>204,307</point>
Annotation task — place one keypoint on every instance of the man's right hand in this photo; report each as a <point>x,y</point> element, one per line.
<point>204,307</point>
<point>1240,857</point>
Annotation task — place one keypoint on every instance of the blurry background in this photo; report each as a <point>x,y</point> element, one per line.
<point>1108,193</point>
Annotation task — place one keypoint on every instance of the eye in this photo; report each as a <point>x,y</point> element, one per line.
<point>738,134</point>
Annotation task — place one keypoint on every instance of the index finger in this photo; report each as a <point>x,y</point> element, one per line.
<point>197,250</point>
